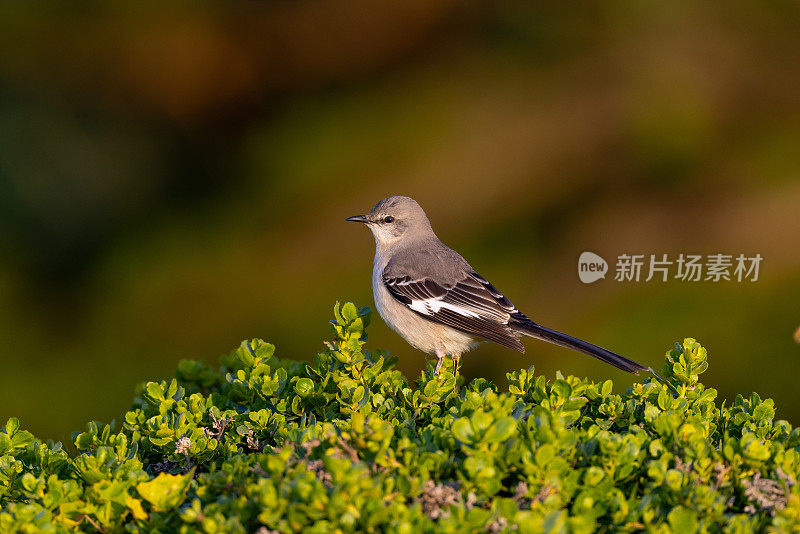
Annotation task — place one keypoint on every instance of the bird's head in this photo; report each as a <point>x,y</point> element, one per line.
<point>394,218</point>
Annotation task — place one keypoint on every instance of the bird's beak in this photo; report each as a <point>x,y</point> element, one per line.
<point>358,218</point>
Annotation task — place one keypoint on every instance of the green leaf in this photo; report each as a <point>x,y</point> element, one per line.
<point>462,430</point>
<point>337,314</point>
<point>358,394</point>
<point>756,450</point>
<point>480,422</point>
<point>682,520</point>
<point>264,351</point>
<point>349,312</point>
<point>19,440</point>
<point>544,455</point>
<point>154,391</point>
<point>29,482</point>
<point>22,439</point>
<point>297,407</point>
<point>707,396</point>
<point>12,425</point>
<point>166,491</point>
<point>562,389</point>
<point>135,506</point>
<point>502,429</point>
<point>5,443</point>
<point>304,387</point>
<point>764,412</point>
<point>664,400</point>
<point>575,403</point>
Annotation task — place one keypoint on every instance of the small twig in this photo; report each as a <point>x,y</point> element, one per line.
<point>348,449</point>
<point>94,524</point>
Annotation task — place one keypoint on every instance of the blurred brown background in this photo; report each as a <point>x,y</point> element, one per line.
<point>174,178</point>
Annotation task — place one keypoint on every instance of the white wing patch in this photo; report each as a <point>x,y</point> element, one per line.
<point>435,305</point>
<point>472,305</point>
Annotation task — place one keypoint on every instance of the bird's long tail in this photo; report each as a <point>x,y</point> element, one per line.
<point>529,328</point>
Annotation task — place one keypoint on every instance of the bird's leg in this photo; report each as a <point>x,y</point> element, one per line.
<point>439,354</point>
<point>456,359</point>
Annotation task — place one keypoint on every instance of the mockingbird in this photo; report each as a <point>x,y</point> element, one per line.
<point>429,294</point>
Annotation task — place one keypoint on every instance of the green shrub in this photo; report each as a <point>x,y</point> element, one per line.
<point>347,444</point>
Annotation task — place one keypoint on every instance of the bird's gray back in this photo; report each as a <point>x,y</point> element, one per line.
<point>427,258</point>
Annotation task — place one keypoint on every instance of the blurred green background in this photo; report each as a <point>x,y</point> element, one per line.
<point>174,178</point>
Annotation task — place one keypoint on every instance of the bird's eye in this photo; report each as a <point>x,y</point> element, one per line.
<point>388,219</point>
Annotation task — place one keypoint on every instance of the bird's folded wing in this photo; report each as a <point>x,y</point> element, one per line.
<point>470,304</point>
